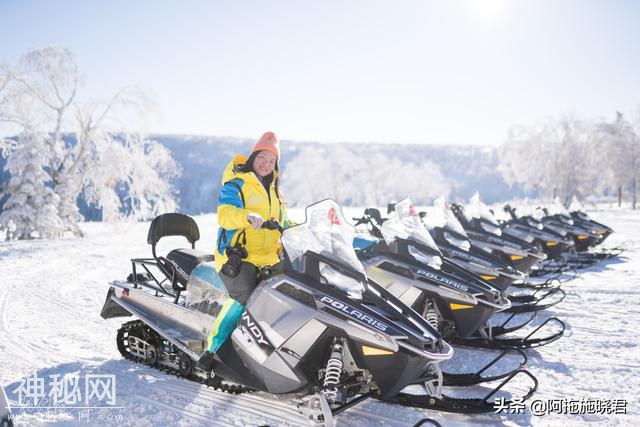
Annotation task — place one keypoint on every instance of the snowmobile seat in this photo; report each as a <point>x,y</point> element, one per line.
<point>184,260</point>
<point>179,263</point>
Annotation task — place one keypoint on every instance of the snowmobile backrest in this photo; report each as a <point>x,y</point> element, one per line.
<point>173,224</point>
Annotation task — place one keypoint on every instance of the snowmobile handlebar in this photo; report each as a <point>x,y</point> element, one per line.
<point>271,224</point>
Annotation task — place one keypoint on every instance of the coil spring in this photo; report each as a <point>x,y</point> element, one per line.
<point>333,372</point>
<point>430,315</point>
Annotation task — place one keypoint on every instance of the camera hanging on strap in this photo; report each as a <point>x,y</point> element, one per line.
<point>235,255</point>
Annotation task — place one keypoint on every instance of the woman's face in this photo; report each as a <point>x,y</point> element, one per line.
<point>264,163</point>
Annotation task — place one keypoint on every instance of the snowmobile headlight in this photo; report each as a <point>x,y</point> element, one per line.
<point>372,351</point>
<point>459,306</point>
<point>486,277</point>
<point>516,257</point>
<point>551,243</point>
<point>600,232</point>
<point>582,237</point>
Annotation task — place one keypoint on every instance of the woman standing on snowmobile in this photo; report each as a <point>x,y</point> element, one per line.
<point>249,197</point>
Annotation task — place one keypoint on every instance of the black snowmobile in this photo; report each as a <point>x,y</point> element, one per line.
<point>557,247</point>
<point>577,213</point>
<point>574,239</point>
<point>558,219</point>
<point>484,231</point>
<point>458,303</point>
<point>316,330</point>
<point>454,242</point>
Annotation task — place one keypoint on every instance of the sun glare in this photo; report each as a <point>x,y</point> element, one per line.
<point>488,11</point>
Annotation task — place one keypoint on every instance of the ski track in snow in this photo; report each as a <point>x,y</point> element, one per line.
<point>52,292</point>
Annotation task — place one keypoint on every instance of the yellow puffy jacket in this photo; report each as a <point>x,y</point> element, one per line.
<point>263,246</point>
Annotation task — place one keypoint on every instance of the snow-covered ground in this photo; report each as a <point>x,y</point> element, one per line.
<point>51,293</point>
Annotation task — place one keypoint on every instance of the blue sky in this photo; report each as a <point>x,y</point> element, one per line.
<point>442,72</point>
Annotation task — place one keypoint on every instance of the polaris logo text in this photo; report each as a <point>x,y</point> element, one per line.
<point>471,258</point>
<point>503,242</point>
<point>354,313</point>
<point>443,279</point>
<point>179,270</point>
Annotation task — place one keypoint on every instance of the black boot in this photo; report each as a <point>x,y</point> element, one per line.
<point>207,361</point>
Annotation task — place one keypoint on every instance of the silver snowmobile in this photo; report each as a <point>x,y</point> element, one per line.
<point>317,330</point>
<point>457,302</point>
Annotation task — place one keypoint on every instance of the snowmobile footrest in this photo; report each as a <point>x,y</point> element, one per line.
<point>460,380</point>
<point>462,406</point>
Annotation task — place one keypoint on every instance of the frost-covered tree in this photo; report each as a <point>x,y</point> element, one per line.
<point>31,208</point>
<point>356,179</point>
<point>622,153</point>
<point>141,187</point>
<point>556,156</point>
<point>75,148</point>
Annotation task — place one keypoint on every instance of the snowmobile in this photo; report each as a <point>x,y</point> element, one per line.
<point>574,239</point>
<point>6,418</point>
<point>457,303</point>
<point>454,242</point>
<point>483,230</point>
<point>315,330</point>
<point>577,213</point>
<point>557,218</point>
<point>452,239</point>
<point>557,247</point>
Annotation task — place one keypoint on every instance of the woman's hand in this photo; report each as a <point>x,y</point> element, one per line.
<point>255,220</point>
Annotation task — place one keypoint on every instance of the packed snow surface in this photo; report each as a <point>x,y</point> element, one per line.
<point>51,293</point>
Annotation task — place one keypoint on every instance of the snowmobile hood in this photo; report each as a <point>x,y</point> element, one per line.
<point>398,258</point>
<point>507,244</point>
<point>474,257</point>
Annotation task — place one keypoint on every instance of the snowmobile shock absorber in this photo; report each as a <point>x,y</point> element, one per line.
<point>430,314</point>
<point>333,371</point>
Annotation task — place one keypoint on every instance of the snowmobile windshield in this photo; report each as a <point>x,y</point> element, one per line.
<point>326,232</point>
<point>557,208</point>
<point>442,216</point>
<point>477,209</point>
<point>407,225</point>
<point>575,205</point>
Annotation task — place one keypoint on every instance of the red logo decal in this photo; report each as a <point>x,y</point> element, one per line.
<point>412,211</point>
<point>333,216</point>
